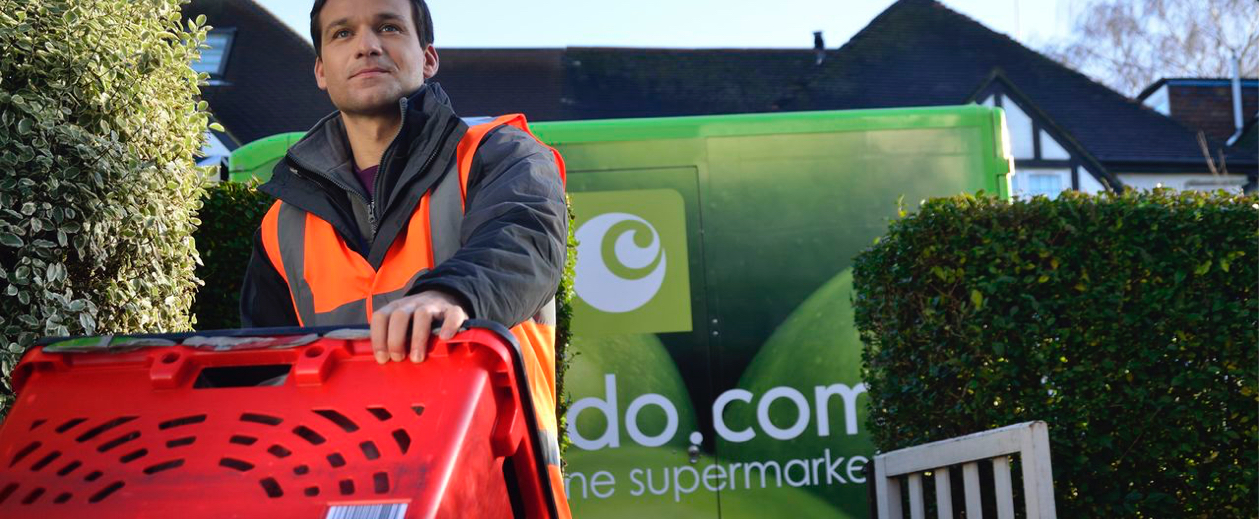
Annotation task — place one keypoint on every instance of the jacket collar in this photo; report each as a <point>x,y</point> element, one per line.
<point>325,151</point>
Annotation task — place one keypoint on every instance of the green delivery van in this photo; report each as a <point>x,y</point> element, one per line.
<point>715,369</point>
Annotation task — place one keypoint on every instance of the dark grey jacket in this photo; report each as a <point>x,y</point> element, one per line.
<point>512,239</point>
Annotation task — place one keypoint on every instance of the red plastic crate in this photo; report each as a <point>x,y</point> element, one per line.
<point>121,430</point>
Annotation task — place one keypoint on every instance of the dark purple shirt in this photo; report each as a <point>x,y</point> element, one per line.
<point>367,177</point>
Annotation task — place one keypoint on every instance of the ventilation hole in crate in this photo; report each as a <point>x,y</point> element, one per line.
<point>308,434</point>
<point>279,451</point>
<point>37,423</point>
<point>272,487</point>
<point>419,409</point>
<point>380,481</point>
<point>261,418</point>
<point>61,499</point>
<point>33,496</point>
<point>301,470</point>
<point>380,413</point>
<point>26,451</point>
<point>243,440</point>
<point>69,424</point>
<point>133,455</point>
<point>7,491</point>
<point>69,468</point>
<point>347,487</point>
<point>105,492</point>
<point>233,463</point>
<point>369,450</point>
<point>43,462</point>
<point>93,475</point>
<point>154,469</point>
<point>177,422</point>
<point>180,442</point>
<point>96,431</point>
<point>338,418</point>
<point>336,460</point>
<point>403,439</point>
<point>109,445</point>
<point>312,491</point>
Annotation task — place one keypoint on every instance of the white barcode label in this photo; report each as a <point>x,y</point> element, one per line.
<point>384,511</point>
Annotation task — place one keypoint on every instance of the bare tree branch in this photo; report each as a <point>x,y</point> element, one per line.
<point>1129,44</point>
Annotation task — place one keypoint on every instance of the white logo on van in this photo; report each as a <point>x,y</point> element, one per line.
<point>620,262</point>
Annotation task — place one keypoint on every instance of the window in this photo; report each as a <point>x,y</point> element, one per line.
<point>214,59</point>
<point>1028,183</point>
<point>1047,184</point>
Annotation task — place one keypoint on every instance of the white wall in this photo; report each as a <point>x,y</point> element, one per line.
<point>1194,181</point>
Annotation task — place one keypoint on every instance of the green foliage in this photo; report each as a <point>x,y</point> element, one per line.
<point>98,188</point>
<point>1127,322</point>
<point>563,329</point>
<point>230,216</point>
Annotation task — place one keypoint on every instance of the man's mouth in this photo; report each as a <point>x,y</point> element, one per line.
<point>369,72</point>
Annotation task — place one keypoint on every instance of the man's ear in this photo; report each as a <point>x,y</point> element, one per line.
<point>319,77</point>
<point>430,62</point>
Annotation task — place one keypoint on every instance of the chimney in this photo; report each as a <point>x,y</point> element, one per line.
<point>819,47</point>
<point>1238,122</point>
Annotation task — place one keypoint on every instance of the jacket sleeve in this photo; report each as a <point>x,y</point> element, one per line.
<point>265,300</point>
<point>513,233</point>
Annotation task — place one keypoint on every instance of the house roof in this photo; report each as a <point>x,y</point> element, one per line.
<point>921,52</point>
<point>499,81</point>
<point>1194,82</point>
<point>1206,104</point>
<point>268,86</point>
<point>916,53</point>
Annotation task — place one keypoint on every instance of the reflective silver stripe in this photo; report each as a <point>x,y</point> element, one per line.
<point>546,316</point>
<point>291,231</point>
<point>445,216</point>
<point>353,312</point>
<point>380,300</point>
<point>550,447</point>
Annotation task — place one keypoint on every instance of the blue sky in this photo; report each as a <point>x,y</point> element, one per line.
<point>693,23</point>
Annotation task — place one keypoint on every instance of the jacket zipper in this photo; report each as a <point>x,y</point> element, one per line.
<point>372,217</point>
<point>427,162</point>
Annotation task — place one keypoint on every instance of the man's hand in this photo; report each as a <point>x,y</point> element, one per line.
<point>389,325</point>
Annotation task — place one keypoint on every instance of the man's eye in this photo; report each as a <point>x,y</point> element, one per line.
<point>340,33</point>
<point>389,27</point>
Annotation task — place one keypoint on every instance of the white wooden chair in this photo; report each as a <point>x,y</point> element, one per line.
<point>1029,440</point>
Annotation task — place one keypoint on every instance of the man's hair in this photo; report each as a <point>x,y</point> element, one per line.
<point>419,15</point>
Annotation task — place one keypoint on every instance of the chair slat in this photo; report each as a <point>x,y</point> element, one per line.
<point>944,494</point>
<point>1002,487</point>
<point>970,478</point>
<point>916,510</point>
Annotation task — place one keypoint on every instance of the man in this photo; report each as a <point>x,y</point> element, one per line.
<point>396,210</point>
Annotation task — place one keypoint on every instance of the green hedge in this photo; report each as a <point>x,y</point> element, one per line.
<point>232,212</point>
<point>1129,323</point>
<point>230,215</point>
<point>99,125</point>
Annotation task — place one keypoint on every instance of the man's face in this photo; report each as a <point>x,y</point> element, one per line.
<point>371,55</point>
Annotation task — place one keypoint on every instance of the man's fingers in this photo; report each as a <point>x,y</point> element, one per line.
<point>452,320</point>
<point>396,339</point>
<point>420,327</point>
<point>380,328</point>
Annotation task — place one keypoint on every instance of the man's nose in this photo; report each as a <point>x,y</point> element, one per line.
<point>369,44</point>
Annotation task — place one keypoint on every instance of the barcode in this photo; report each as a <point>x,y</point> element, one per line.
<point>389,511</point>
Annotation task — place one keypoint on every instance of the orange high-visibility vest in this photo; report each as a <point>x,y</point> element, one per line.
<point>331,284</point>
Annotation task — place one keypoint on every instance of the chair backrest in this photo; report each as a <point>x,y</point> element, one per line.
<point>1029,440</point>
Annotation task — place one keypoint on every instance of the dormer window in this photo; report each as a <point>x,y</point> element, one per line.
<point>214,59</point>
